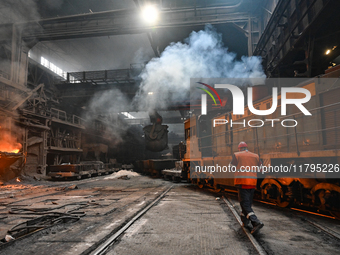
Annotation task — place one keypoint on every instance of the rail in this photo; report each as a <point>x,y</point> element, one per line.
<point>104,246</point>
<point>252,239</point>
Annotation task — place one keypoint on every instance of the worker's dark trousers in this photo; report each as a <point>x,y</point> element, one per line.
<point>245,197</point>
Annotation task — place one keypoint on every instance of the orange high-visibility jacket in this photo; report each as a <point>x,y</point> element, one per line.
<point>245,159</point>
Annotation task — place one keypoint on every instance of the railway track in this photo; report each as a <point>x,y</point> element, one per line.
<point>46,227</point>
<point>110,240</point>
<point>262,248</point>
<point>185,218</point>
<point>326,230</point>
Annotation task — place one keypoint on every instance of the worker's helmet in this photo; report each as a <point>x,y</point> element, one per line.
<point>242,145</point>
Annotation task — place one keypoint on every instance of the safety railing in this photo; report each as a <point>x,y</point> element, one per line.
<point>102,76</point>
<point>63,116</point>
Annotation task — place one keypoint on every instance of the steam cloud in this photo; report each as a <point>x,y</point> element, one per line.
<point>168,77</point>
<point>202,56</point>
<point>108,104</point>
<point>18,11</point>
<point>13,11</point>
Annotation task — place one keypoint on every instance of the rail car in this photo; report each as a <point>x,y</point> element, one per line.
<point>154,167</point>
<point>83,169</point>
<point>315,140</point>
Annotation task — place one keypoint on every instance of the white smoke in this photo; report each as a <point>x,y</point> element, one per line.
<point>201,56</point>
<point>109,101</point>
<point>106,106</point>
<point>166,80</point>
<point>54,4</point>
<point>18,11</point>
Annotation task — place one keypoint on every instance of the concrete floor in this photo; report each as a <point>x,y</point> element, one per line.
<point>286,232</point>
<point>187,220</point>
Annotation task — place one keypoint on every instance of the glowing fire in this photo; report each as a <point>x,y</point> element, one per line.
<point>17,179</point>
<point>8,143</point>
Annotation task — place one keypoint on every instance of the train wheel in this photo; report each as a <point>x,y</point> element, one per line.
<point>281,203</point>
<point>211,184</point>
<point>326,196</point>
<point>273,193</point>
<point>217,188</point>
<point>200,185</point>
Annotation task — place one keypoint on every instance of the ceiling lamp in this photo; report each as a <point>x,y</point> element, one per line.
<point>150,14</point>
<point>328,51</point>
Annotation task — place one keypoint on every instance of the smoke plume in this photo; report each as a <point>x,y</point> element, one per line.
<point>18,11</point>
<point>167,79</point>
<point>105,106</point>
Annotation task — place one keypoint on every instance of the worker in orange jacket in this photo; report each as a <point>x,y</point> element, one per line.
<point>246,180</point>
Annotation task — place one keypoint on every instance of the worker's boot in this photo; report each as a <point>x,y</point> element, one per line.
<point>256,227</point>
<point>247,224</point>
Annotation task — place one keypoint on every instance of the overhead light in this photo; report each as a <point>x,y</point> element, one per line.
<point>150,14</point>
<point>328,51</point>
<point>150,93</point>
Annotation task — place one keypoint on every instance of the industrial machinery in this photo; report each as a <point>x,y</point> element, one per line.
<point>6,160</point>
<point>315,140</point>
<point>156,134</point>
<point>83,169</point>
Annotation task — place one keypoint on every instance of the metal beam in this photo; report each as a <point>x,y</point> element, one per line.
<point>124,22</point>
<point>27,97</point>
<point>290,26</point>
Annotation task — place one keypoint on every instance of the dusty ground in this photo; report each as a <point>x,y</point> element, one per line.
<point>286,232</point>
<point>187,220</point>
<point>107,201</point>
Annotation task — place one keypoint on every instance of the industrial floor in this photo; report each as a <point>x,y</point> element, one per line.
<point>187,220</point>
